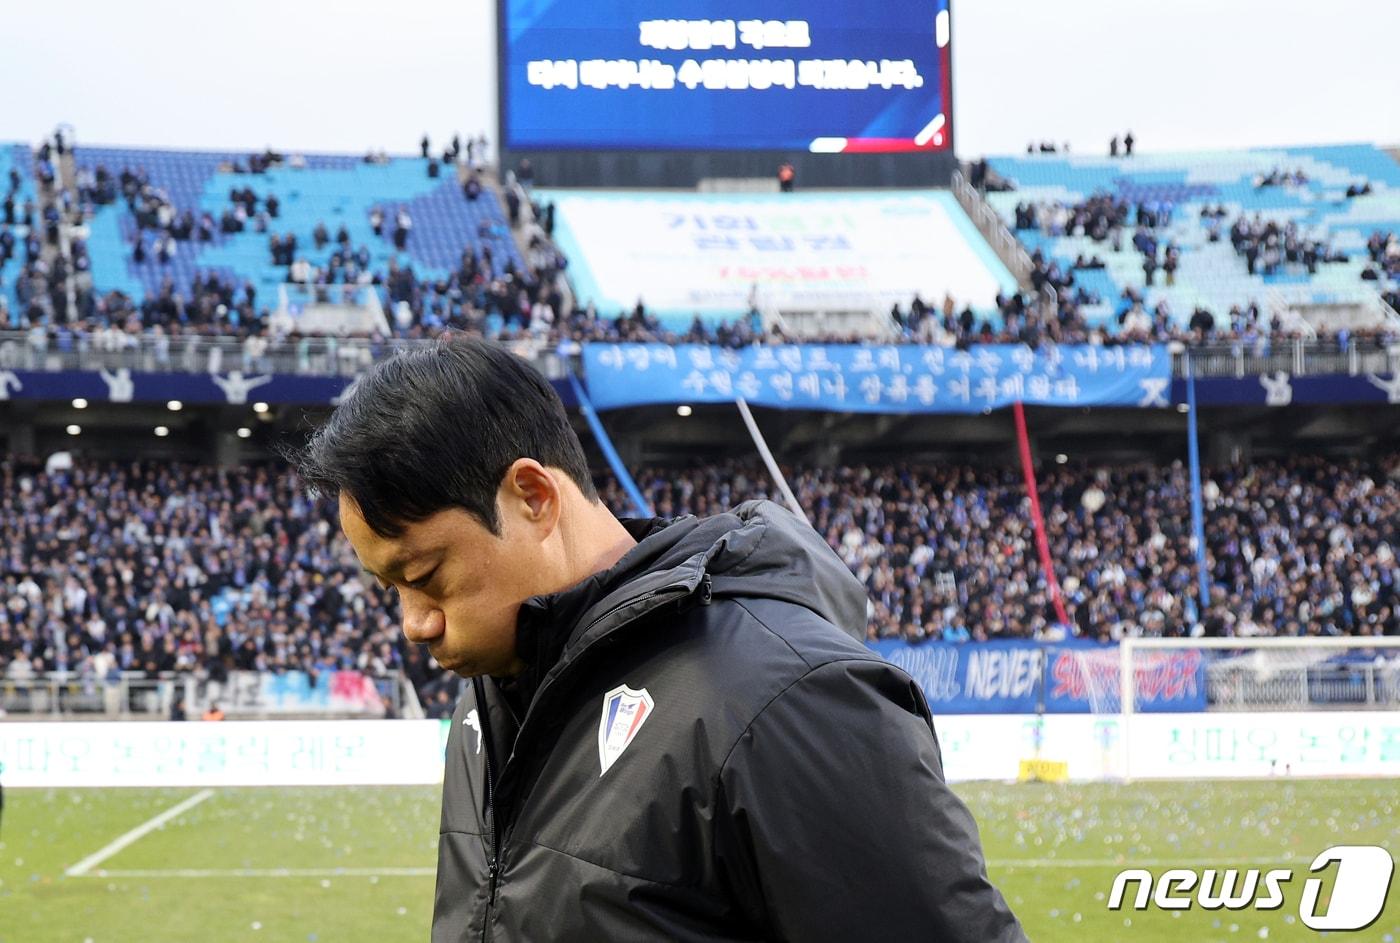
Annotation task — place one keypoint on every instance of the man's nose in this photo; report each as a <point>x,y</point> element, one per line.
<point>423,624</point>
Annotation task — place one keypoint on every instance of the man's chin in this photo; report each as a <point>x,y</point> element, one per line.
<point>453,663</point>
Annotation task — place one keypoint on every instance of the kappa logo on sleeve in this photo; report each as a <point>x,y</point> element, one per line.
<point>473,721</point>
<point>624,712</point>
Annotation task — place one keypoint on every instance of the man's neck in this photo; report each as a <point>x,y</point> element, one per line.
<point>609,546</point>
<point>606,542</point>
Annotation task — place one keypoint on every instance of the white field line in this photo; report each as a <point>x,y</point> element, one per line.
<point>429,872</point>
<point>266,873</point>
<point>1255,862</point>
<point>96,858</point>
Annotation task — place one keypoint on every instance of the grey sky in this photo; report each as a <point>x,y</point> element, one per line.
<point>349,75</point>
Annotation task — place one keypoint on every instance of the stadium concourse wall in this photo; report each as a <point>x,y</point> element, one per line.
<point>1188,746</point>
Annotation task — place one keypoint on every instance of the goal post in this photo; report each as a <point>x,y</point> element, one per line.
<point>1259,675</point>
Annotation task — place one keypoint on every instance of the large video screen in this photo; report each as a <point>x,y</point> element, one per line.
<point>826,76</point>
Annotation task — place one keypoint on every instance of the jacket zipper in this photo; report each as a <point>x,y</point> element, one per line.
<point>702,587</point>
<point>493,866</point>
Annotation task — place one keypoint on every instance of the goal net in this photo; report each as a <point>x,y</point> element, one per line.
<point>1255,674</point>
<point>1138,682</point>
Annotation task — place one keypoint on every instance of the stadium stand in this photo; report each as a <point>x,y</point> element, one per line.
<point>230,257</point>
<point>315,190</point>
<point>17,187</point>
<point>166,567</point>
<point>157,567</point>
<point>948,551</point>
<point>1323,201</point>
<point>161,223</point>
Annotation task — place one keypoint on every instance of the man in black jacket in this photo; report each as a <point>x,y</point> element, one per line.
<point>673,729</point>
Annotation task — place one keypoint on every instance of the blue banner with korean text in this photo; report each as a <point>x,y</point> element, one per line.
<point>891,379</point>
<point>1015,677</point>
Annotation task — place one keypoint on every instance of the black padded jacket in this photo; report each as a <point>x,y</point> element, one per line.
<point>702,748</point>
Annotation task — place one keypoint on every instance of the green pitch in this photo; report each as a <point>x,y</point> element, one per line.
<point>317,865</point>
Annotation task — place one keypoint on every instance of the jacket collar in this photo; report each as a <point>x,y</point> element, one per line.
<point>757,549</point>
<point>548,621</point>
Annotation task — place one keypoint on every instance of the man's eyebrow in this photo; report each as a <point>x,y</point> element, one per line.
<point>396,565</point>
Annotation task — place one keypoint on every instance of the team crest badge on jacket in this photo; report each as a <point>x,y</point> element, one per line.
<point>624,712</point>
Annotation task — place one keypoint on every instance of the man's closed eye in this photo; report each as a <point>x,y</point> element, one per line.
<point>422,581</point>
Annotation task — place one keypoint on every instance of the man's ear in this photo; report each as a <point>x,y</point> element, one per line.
<point>533,489</point>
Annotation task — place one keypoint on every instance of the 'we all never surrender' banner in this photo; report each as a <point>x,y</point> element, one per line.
<point>1073,678</point>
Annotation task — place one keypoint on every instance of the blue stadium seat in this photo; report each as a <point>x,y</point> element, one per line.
<point>1211,274</point>
<point>16,157</point>
<point>332,189</point>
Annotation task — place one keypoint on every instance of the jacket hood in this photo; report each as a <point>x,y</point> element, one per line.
<point>766,550</point>
<point>757,549</point>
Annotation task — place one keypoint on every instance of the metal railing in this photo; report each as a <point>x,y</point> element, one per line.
<point>65,693</point>
<point>247,693</point>
<point>1294,356</point>
<point>993,229</point>
<point>136,695</point>
<point>349,356</point>
<point>332,310</point>
<point>1315,687</point>
<point>307,356</point>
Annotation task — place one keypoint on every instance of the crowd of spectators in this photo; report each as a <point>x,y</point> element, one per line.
<point>1282,178</point>
<point>160,567</point>
<point>44,167</point>
<point>492,297</point>
<point>39,284</point>
<point>525,316</point>
<point>1115,147</point>
<point>1101,217</point>
<point>1383,250</point>
<point>1268,247</point>
<point>1300,546</point>
<point>1105,218</point>
<point>981,177</point>
<point>13,211</point>
<point>484,294</point>
<point>21,248</point>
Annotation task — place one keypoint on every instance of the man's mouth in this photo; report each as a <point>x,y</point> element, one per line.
<point>435,649</point>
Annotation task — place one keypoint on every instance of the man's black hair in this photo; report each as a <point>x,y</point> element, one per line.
<point>437,427</point>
